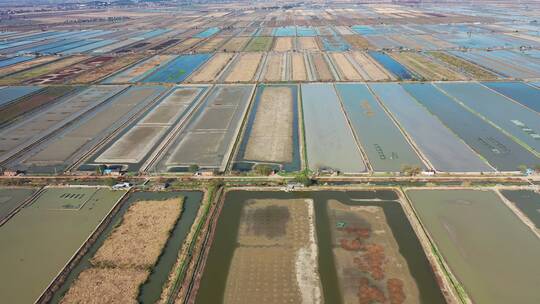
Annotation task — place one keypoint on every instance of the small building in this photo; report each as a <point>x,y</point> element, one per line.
<point>122,186</point>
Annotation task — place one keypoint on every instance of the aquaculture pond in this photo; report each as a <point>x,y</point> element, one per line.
<point>392,65</point>
<point>10,94</point>
<point>36,245</point>
<point>525,94</point>
<point>527,201</point>
<point>271,134</point>
<point>12,198</point>
<point>445,151</point>
<point>237,265</point>
<point>330,143</point>
<point>483,242</point>
<point>386,148</point>
<point>305,31</point>
<point>284,31</point>
<point>14,60</point>
<point>500,150</point>
<point>151,290</point>
<point>522,123</point>
<point>178,69</point>
<point>207,33</point>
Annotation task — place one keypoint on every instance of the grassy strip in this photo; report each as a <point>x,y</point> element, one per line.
<point>181,270</point>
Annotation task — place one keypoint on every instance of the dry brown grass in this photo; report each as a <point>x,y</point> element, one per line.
<point>140,238</point>
<point>107,69</point>
<point>106,285</point>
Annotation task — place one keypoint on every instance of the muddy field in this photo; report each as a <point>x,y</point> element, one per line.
<point>426,67</point>
<point>211,69</point>
<point>235,44</point>
<point>102,71</point>
<point>41,70</point>
<point>464,66</point>
<point>26,65</point>
<point>275,258</point>
<point>357,42</point>
<point>211,45</point>
<point>275,65</point>
<point>184,45</point>
<point>344,66</point>
<point>307,44</point>
<point>29,103</point>
<point>368,261</point>
<point>72,71</point>
<point>141,69</point>
<point>368,68</point>
<point>321,67</point>
<point>271,134</point>
<point>244,68</point>
<point>298,67</point>
<point>283,44</point>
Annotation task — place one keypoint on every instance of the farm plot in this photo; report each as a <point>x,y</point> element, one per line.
<point>357,42</point>
<point>28,131</point>
<point>275,247</point>
<point>98,73</point>
<point>36,238</point>
<point>26,65</point>
<point>520,122</point>
<point>391,65</point>
<point>500,150</point>
<point>444,150</point>
<point>386,148</point>
<point>127,254</point>
<point>259,44</point>
<point>210,70</point>
<point>271,135</point>
<point>330,143</point>
<point>321,67</point>
<point>526,95</point>
<point>345,67</point>
<point>528,202</point>
<point>208,138</point>
<point>12,198</point>
<point>244,68</point>
<point>464,66</point>
<point>31,102</point>
<point>140,70</point>
<point>184,46</point>
<point>476,246</point>
<point>63,75</point>
<point>425,67</point>
<point>133,146</point>
<point>298,67</point>
<point>11,94</point>
<point>50,67</point>
<point>275,67</point>
<point>283,44</point>
<point>211,45</point>
<point>68,146</point>
<point>375,252</point>
<point>307,44</point>
<point>177,69</point>
<point>235,44</point>
<point>368,68</point>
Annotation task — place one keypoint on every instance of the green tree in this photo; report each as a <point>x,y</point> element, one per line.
<point>522,169</point>
<point>193,168</point>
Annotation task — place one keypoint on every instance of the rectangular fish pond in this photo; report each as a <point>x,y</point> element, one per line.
<point>392,65</point>
<point>271,135</point>
<point>156,278</point>
<point>178,69</point>
<point>43,236</point>
<point>490,251</point>
<point>314,247</point>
